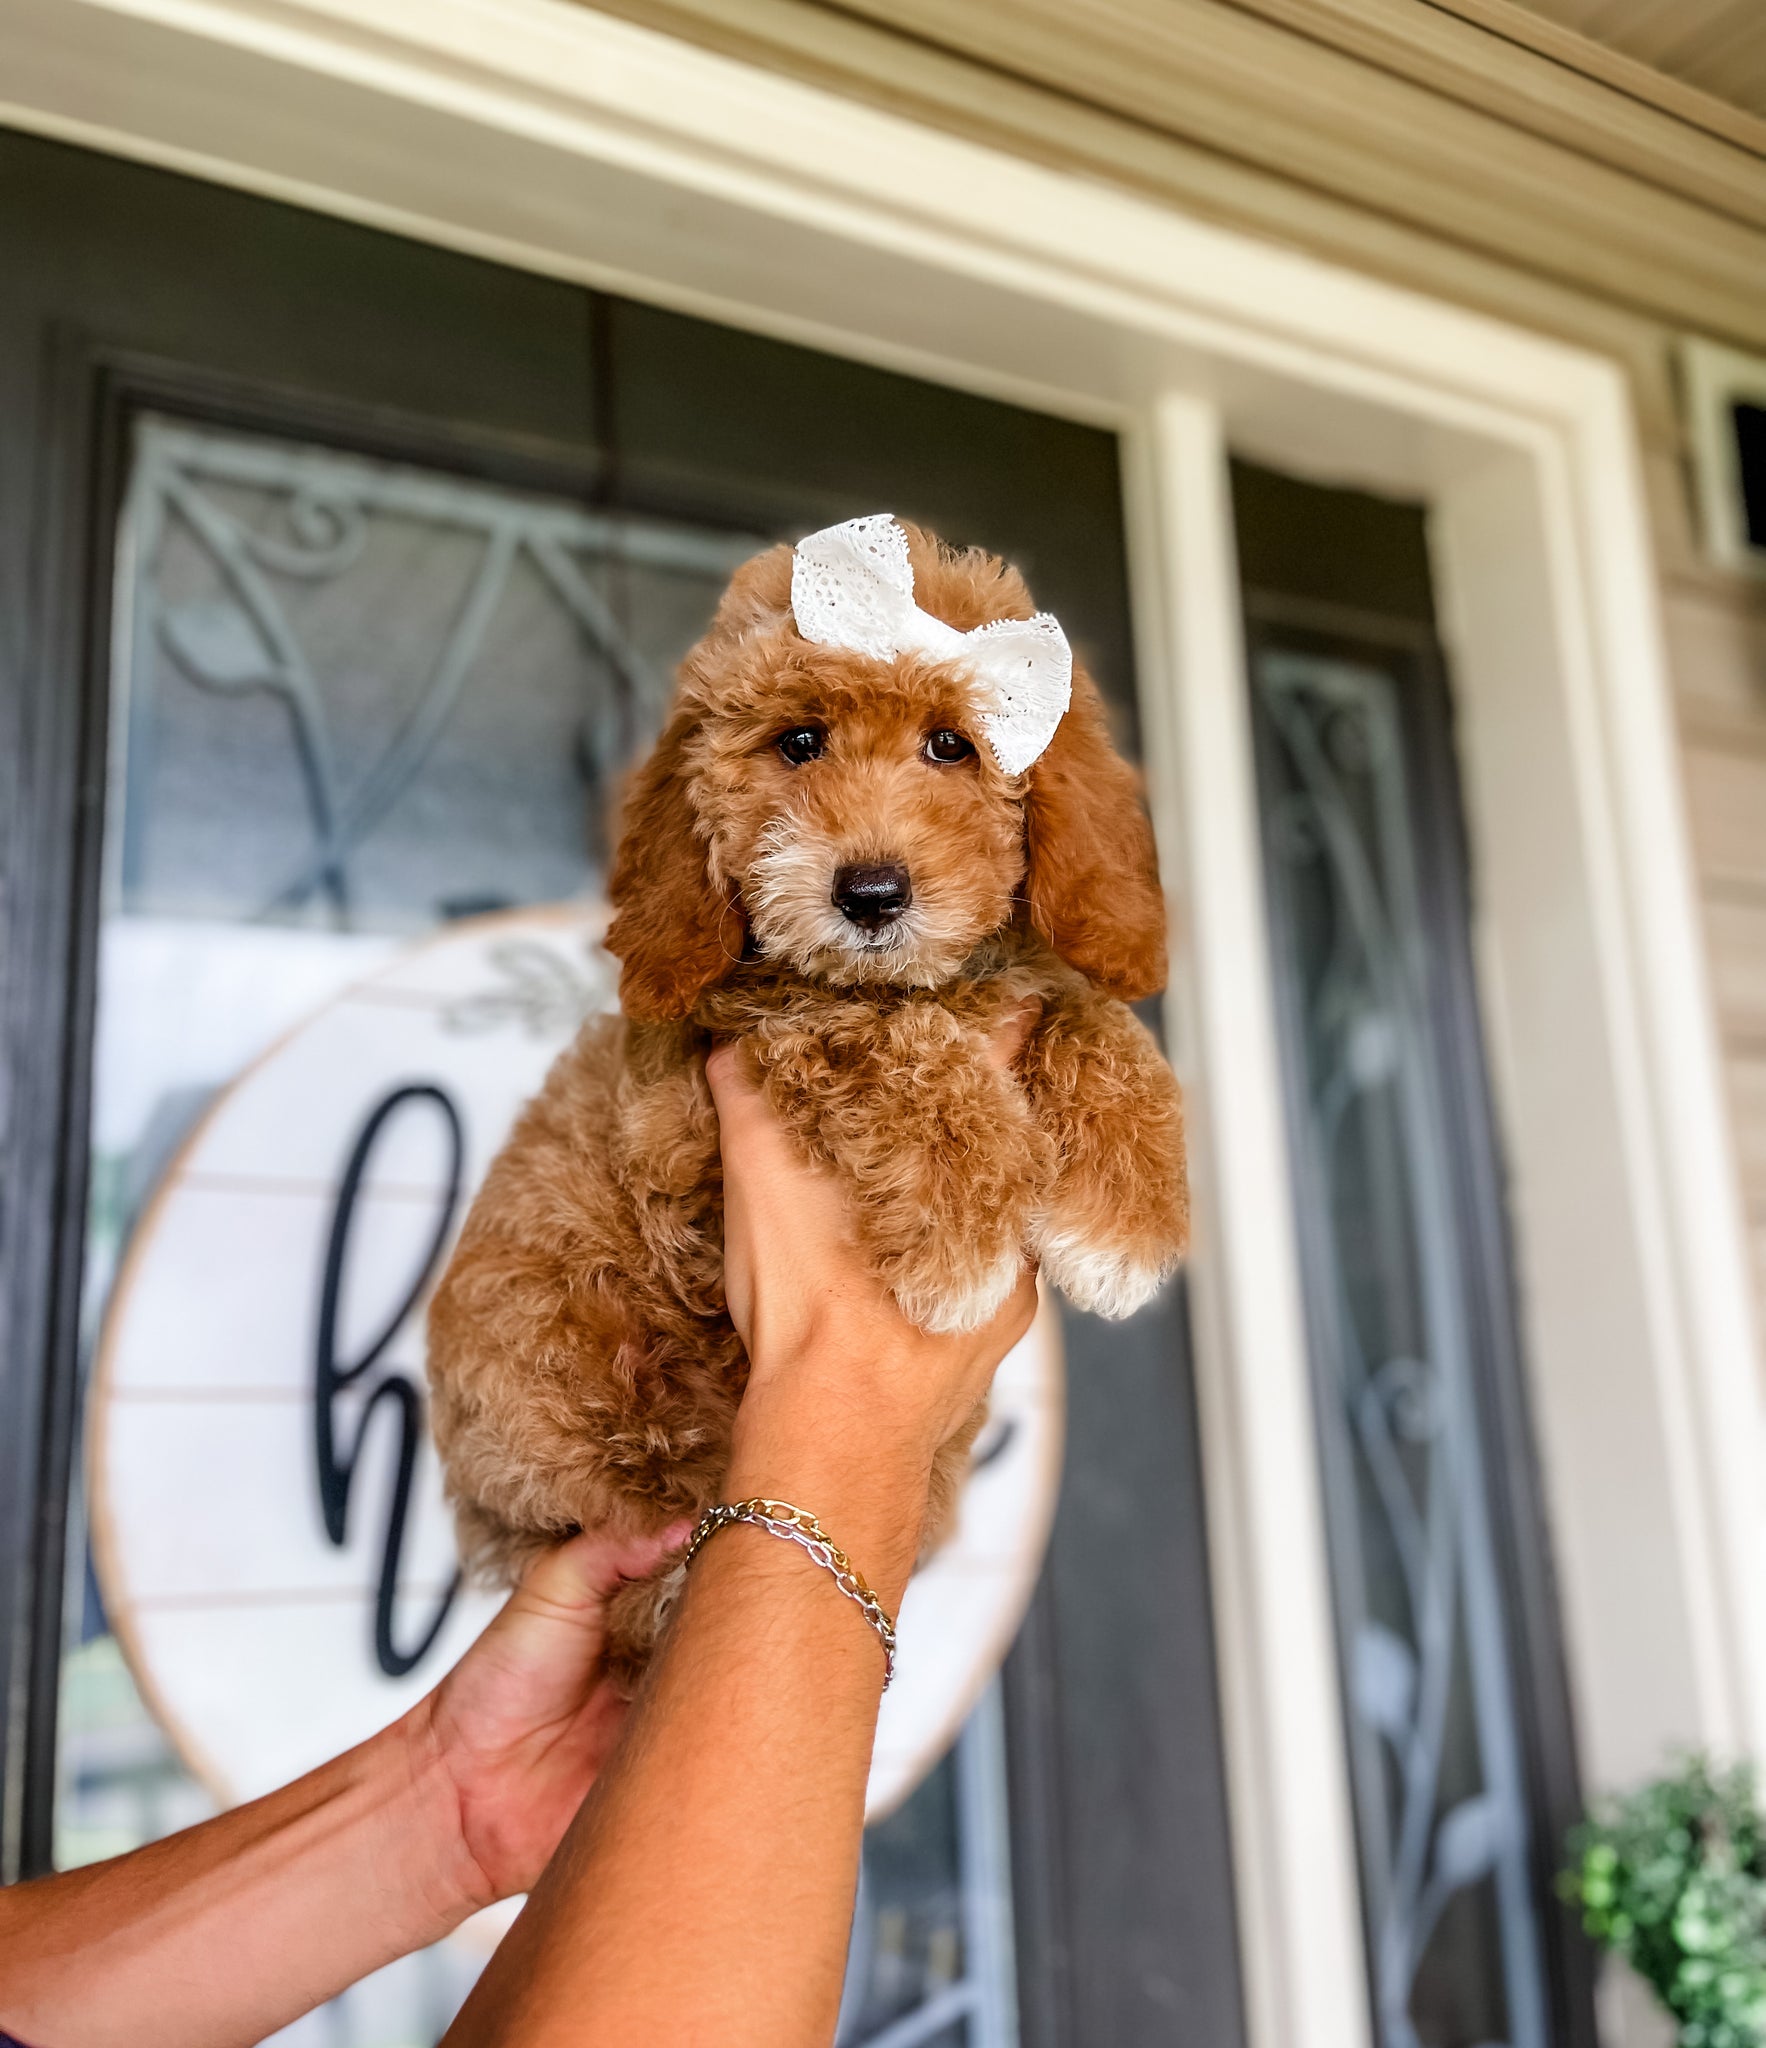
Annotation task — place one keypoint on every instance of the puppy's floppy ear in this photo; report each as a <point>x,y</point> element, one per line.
<point>759,594</point>
<point>1093,881</point>
<point>674,931</point>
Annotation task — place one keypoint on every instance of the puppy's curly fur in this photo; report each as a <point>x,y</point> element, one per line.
<point>583,1366</point>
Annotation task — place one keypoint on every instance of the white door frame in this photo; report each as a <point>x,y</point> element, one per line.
<point>559,140</point>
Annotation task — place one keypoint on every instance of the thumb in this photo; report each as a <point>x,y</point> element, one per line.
<point>588,1569</point>
<point>566,1591</point>
<point>1012,1031</point>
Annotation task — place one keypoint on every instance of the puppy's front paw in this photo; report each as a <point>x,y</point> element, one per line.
<point>1103,1278</point>
<point>944,1301</point>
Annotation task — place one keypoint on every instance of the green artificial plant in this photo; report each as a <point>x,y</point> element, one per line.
<point>1673,1878</point>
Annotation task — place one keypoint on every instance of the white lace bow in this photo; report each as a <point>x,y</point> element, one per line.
<point>853,586</point>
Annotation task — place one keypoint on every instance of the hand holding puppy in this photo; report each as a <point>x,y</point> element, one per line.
<point>836,1368</point>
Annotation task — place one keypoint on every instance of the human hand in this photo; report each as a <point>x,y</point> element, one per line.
<point>819,1326</point>
<point>518,1731</point>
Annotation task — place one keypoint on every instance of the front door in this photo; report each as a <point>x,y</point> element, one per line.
<point>340,580</point>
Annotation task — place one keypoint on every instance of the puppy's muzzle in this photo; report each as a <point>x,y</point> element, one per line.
<point>872,897</point>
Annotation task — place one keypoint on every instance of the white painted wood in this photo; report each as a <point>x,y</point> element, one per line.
<point>1300,1918</point>
<point>556,138</point>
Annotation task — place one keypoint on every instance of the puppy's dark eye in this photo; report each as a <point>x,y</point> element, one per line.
<point>946,746</point>
<point>802,743</point>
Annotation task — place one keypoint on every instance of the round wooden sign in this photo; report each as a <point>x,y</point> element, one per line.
<point>279,1598</point>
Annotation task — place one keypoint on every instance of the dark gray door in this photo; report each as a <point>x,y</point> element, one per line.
<point>226,369</point>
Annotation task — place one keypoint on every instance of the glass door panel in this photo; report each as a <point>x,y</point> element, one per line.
<point>355,702</point>
<point>1443,1820</point>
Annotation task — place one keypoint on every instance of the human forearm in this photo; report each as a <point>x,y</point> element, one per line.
<point>221,1934</point>
<point>706,1890</point>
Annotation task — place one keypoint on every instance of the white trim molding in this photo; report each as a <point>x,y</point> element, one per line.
<point>1284,1734</point>
<point>551,137</point>
<point>1713,380</point>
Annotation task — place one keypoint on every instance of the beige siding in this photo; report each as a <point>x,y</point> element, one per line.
<point>1715,622</point>
<point>1749,1080</point>
<point>1737,932</point>
<point>1717,645</point>
<point>1726,793</point>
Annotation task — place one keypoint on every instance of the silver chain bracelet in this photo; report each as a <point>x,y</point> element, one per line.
<point>797,1525</point>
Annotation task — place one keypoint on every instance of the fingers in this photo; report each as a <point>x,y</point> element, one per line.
<point>733,1088</point>
<point>540,1660</point>
<point>582,1573</point>
<point>741,1108</point>
<point>785,1219</point>
<point>970,1360</point>
<point>1015,1317</point>
<point>1021,1306</point>
<point>1009,1034</point>
<point>755,1145</point>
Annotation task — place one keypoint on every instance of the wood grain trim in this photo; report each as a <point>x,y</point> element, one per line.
<point>1466,62</point>
<point>1237,119</point>
<point>1609,67</point>
<point>1295,84</point>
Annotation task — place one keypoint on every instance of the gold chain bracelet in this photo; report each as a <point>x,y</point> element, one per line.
<point>797,1525</point>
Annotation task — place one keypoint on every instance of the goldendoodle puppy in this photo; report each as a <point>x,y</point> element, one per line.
<point>867,835</point>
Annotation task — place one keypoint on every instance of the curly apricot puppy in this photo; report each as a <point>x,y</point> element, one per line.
<point>825,858</point>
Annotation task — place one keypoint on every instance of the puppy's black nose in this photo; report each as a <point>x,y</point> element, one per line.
<point>872,896</point>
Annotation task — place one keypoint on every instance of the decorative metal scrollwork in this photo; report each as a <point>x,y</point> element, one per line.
<point>313,512</point>
<point>1435,1752</point>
